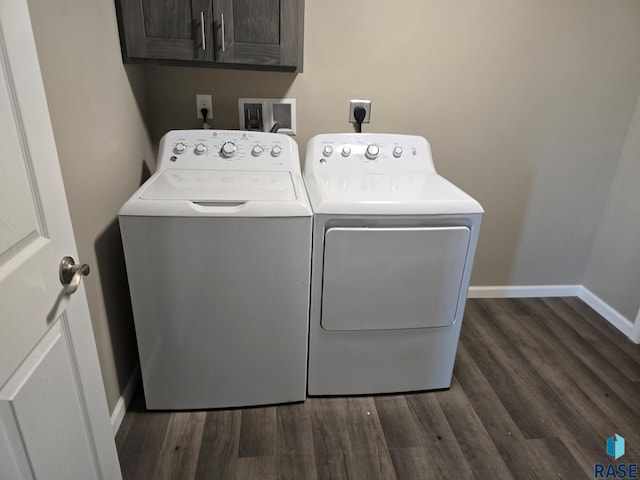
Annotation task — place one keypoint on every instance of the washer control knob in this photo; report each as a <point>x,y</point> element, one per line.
<point>372,151</point>
<point>201,148</point>
<point>346,151</point>
<point>397,152</point>
<point>257,150</point>
<point>228,149</point>
<point>179,148</point>
<point>328,150</point>
<point>276,151</point>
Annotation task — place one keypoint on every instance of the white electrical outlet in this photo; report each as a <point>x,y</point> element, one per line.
<point>204,101</point>
<point>366,104</point>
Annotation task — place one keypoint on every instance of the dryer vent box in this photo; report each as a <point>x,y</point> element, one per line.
<point>262,114</point>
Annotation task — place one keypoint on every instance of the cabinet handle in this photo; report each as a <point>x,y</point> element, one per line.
<point>222,29</point>
<point>204,41</point>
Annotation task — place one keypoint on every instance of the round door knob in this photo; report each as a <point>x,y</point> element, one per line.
<point>276,151</point>
<point>257,151</point>
<point>346,151</point>
<point>180,147</point>
<point>201,148</point>
<point>228,149</point>
<point>328,150</point>
<point>397,152</point>
<point>372,151</point>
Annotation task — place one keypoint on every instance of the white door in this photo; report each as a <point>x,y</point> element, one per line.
<point>54,421</point>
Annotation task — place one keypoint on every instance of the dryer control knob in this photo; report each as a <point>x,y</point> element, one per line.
<point>328,150</point>
<point>257,151</point>
<point>179,148</point>
<point>276,151</point>
<point>228,149</point>
<point>372,151</point>
<point>346,151</point>
<point>201,148</point>
<point>397,152</point>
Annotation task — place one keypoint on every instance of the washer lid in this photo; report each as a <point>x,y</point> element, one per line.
<point>220,186</point>
<point>387,193</point>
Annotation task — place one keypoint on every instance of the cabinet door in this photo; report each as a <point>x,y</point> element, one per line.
<point>167,29</point>
<point>268,32</point>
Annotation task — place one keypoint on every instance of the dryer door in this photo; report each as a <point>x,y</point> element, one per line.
<point>392,278</point>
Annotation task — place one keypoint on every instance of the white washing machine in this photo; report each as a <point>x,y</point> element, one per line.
<point>393,247</point>
<point>218,250</point>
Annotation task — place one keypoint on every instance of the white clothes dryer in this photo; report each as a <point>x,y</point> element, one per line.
<point>217,245</point>
<point>393,247</point>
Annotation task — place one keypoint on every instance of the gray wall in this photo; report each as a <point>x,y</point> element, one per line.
<point>613,272</point>
<point>102,141</point>
<point>526,105</point>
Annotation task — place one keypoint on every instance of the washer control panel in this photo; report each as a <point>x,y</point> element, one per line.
<point>368,152</point>
<point>232,149</point>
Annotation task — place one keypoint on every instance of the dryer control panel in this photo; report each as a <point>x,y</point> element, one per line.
<point>368,153</point>
<point>227,149</point>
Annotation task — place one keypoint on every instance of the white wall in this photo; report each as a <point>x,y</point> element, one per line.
<point>102,142</point>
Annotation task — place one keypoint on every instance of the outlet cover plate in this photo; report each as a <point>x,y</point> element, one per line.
<point>366,104</point>
<point>204,101</point>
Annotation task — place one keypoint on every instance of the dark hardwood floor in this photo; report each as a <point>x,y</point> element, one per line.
<point>538,387</point>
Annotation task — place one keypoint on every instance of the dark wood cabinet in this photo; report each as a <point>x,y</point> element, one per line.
<point>265,34</point>
<point>165,29</point>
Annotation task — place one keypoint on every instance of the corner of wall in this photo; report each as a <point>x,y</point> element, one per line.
<point>614,256</point>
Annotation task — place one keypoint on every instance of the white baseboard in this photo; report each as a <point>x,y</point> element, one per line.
<point>523,291</point>
<point>609,313</point>
<point>123,402</point>
<point>614,317</point>
<point>635,333</point>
